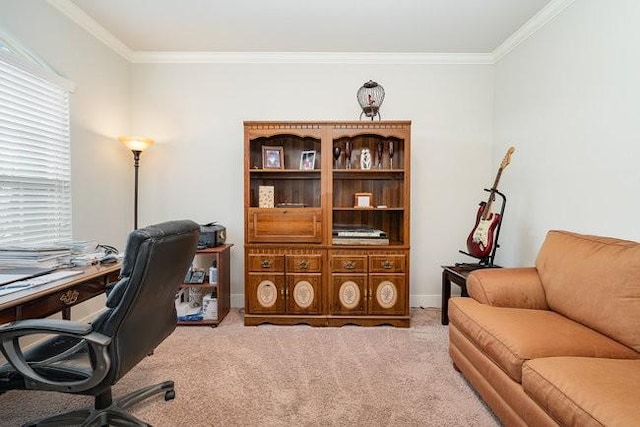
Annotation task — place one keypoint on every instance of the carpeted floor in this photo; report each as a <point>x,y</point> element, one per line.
<point>268,375</point>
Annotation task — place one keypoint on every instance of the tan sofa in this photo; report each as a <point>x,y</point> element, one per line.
<point>558,343</point>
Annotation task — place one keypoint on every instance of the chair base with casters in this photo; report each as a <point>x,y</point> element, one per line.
<point>106,412</point>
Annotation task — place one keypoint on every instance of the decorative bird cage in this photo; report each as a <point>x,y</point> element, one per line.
<point>370,97</point>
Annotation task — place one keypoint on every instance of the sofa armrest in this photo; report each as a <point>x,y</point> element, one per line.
<point>507,287</point>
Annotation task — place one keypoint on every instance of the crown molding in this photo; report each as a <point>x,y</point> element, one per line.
<point>539,20</point>
<point>550,11</point>
<point>380,58</point>
<point>89,24</point>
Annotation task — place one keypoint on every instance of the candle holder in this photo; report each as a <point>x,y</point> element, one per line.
<point>336,155</point>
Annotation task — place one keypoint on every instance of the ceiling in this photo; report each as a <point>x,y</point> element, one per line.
<point>382,26</point>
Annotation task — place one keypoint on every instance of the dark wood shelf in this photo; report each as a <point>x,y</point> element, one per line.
<point>222,256</point>
<point>199,285</point>
<point>337,208</point>
<point>284,171</point>
<point>385,174</point>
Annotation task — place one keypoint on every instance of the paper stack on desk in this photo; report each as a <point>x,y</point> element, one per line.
<point>34,256</point>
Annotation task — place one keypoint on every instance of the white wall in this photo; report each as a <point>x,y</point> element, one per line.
<point>196,111</point>
<point>102,169</point>
<point>568,98</point>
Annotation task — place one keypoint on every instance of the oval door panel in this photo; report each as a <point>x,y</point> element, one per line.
<point>267,293</point>
<point>349,294</point>
<point>303,294</point>
<point>386,294</point>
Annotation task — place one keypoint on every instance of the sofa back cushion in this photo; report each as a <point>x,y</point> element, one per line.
<point>595,281</point>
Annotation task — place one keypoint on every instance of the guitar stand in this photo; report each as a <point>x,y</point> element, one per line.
<point>488,260</point>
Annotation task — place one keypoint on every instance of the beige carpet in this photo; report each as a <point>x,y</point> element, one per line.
<point>268,375</point>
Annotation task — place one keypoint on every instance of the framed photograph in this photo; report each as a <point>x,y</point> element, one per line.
<point>363,200</point>
<point>272,157</point>
<point>308,160</point>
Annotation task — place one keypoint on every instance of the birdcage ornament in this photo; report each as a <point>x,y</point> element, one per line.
<point>370,97</point>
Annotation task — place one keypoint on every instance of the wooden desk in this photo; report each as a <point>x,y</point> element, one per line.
<point>61,295</point>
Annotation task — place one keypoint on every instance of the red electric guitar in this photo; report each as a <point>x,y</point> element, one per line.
<point>481,239</point>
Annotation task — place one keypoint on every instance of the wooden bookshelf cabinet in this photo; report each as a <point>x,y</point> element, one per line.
<point>295,272</point>
<point>222,288</point>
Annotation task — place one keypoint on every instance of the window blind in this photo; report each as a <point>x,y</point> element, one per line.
<point>35,176</point>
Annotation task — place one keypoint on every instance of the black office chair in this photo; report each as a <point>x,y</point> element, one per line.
<point>88,359</point>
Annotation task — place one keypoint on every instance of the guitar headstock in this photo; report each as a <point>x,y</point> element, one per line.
<point>507,158</point>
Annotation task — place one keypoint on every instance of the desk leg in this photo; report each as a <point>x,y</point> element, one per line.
<point>66,313</point>
<point>446,294</point>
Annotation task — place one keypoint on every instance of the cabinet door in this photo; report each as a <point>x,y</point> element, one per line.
<point>266,294</point>
<point>303,294</point>
<point>348,293</point>
<point>301,225</point>
<point>387,294</point>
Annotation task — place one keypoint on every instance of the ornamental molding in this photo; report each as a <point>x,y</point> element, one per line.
<point>73,12</point>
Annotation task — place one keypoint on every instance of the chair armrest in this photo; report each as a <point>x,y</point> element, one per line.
<point>508,287</point>
<point>97,345</point>
<point>22,327</point>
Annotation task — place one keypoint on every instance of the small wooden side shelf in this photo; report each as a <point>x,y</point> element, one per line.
<point>222,255</point>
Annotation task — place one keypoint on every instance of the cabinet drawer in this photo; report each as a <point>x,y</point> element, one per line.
<point>386,264</point>
<point>266,262</point>
<point>349,263</point>
<point>304,263</point>
<point>285,225</point>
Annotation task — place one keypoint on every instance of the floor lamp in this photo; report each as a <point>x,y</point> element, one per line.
<point>137,145</point>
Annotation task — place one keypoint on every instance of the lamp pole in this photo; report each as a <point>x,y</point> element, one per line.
<point>137,145</point>
<point>136,165</point>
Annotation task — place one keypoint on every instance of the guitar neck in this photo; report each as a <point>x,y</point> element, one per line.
<point>487,208</point>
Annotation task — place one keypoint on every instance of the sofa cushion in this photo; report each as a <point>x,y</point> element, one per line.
<point>585,391</point>
<point>594,281</point>
<point>510,336</point>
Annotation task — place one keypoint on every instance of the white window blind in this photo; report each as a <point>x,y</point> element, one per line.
<point>35,176</point>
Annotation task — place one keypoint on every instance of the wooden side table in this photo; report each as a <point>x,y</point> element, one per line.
<point>455,274</point>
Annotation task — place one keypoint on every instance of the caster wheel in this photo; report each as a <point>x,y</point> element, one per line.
<point>170,395</point>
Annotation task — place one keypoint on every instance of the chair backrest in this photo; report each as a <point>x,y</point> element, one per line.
<point>141,307</point>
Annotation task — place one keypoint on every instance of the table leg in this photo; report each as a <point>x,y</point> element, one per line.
<point>463,291</point>
<point>446,294</point>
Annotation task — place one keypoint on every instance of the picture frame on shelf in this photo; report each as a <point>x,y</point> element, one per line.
<point>363,201</point>
<point>272,157</point>
<point>308,160</point>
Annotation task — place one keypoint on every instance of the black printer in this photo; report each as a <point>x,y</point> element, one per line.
<point>212,235</point>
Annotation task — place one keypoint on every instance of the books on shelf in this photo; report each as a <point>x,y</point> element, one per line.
<point>358,232</point>
<point>360,241</point>
<point>359,235</point>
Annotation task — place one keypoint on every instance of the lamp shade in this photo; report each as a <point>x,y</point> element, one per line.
<point>136,143</point>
